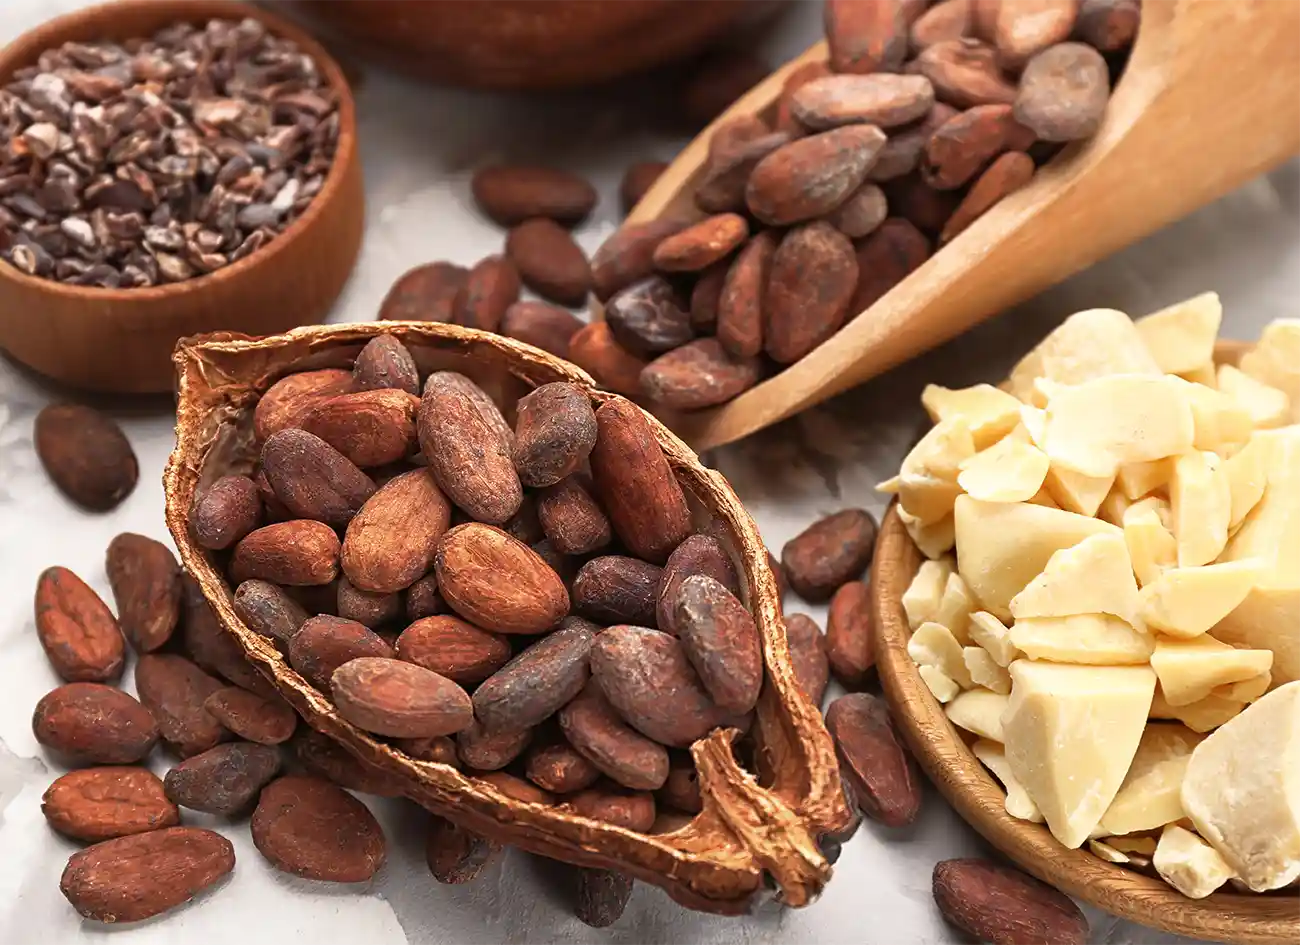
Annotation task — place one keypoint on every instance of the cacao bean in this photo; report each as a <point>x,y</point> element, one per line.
<point>79,633</point>
<point>311,828</point>
<point>86,454</point>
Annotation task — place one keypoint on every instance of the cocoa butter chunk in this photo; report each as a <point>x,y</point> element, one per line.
<point>617,589</point>
<point>620,752</point>
<point>996,903</point>
<point>392,697</point>
<point>385,363</point>
<point>512,193</point>
<point>635,484</point>
<point>699,374</point>
<point>808,656</point>
<point>86,454</point>
<point>813,277</point>
<point>648,680</point>
<point>648,317</point>
<point>812,176</point>
<point>571,518</point>
<point>456,855</point>
<point>132,878</point>
<point>874,761</point>
<point>832,551</point>
<point>471,562</point>
<point>79,633</point>
<point>146,582</point>
<point>468,453</point>
<point>698,554</point>
<point>225,512</point>
<point>174,690</point>
<point>92,724</point>
<point>313,479</point>
<point>392,540</point>
<point>536,683</point>
<point>268,610</point>
<point>325,643</point>
<point>223,780</point>
<point>554,433</point>
<point>310,828</point>
<point>721,641</point>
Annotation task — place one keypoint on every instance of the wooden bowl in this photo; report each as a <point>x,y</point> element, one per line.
<point>526,44</point>
<point>1248,919</point>
<point>750,826</point>
<point>122,339</point>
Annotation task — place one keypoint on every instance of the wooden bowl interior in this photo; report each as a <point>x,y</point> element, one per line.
<point>942,750</point>
<point>121,339</point>
<point>715,862</point>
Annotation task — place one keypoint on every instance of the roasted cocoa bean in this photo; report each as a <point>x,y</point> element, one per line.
<point>511,194</point>
<point>369,427</point>
<point>102,803</point>
<point>571,517</point>
<point>490,751</point>
<point>86,454</point>
<point>813,276</point>
<point>256,718</point>
<point>93,724</point>
<point>224,780</point>
<point>384,364</point>
<point>627,256</point>
<point>549,261</point>
<point>325,643</point>
<point>631,810</point>
<point>560,768</point>
<point>391,697</point>
<point>536,683</point>
<point>648,317</point>
<point>719,638</point>
<point>79,633</point>
<point>174,690</point>
<point>808,656</point>
<point>812,176</point>
<point>554,433</point>
<point>425,293</point>
<point>291,398</point>
<point>850,639</point>
<point>873,759</point>
<point>833,550</point>
<point>313,479</point>
<point>146,586</point>
<point>595,350</point>
<point>699,374</point>
<point>470,561</point>
<point>268,610</point>
<point>491,288</point>
<point>592,726</point>
<point>698,554</point>
<point>702,244</point>
<point>453,648</point>
<point>310,828</point>
<point>456,855</point>
<point>392,540</point>
<point>617,589</point>
<point>225,512</point>
<point>541,325</point>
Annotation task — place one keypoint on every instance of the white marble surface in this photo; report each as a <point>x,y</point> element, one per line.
<point>418,146</point>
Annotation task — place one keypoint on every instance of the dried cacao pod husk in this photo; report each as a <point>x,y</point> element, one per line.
<point>749,826</point>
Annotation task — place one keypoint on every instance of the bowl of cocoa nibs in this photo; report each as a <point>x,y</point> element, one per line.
<point>168,168</point>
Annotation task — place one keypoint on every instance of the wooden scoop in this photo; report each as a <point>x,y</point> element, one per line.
<point>1207,101</point>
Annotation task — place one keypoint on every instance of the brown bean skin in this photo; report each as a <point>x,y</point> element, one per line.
<point>146,582</point>
<point>386,363</point>
<point>554,433</point>
<point>224,780</point>
<point>830,552</point>
<point>453,648</point>
<point>560,768</point>
<point>90,723</point>
<point>313,479</point>
<point>535,683</point>
<point>572,518</point>
<point>850,638</point>
<point>593,727</point>
<point>225,512</point>
<point>298,552</point>
<point>808,656</point>
<point>721,641</point>
<point>325,643</point>
<point>617,589</point>
<point>310,828</point>
<point>250,716</point>
<point>402,700</point>
<point>174,690</point>
<point>79,633</point>
<point>698,554</point>
<point>97,804</point>
<point>86,454</point>
<point>882,774</point>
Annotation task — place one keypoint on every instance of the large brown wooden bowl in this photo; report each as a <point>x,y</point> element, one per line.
<point>752,825</point>
<point>121,340</point>
<point>525,44</point>
<point>946,757</point>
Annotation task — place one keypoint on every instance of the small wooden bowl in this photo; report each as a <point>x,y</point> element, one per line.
<point>121,339</point>
<point>1242,919</point>
<point>751,826</point>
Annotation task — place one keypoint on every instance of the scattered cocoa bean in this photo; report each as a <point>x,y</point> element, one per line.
<point>697,375</point>
<point>102,803</point>
<point>392,540</point>
<point>886,258</point>
<point>631,810</point>
<point>637,179</point>
<point>225,512</point>
<point>492,287</point>
<point>636,485</point>
<point>541,325</point>
<point>592,727</point>
<point>224,780</point>
<point>93,724</point>
<point>470,561</point>
<point>648,317</point>
<point>311,828</point>
<point>512,194</point>
<point>964,73</point>
<point>602,895</point>
<point>866,37</point>
<point>86,454</point>
<point>128,879</point>
<point>174,690</point>
<point>702,244</point>
<point>536,683</point>
<point>291,398</point>
<point>549,261</point>
<point>627,256</point>
<point>648,680</point>
<point>1063,92</point>
<point>79,633</point>
<point>1002,905</point>
<point>833,550</point>
<point>1003,177</point>
<point>456,855</point>
<point>453,648</point>
<point>560,768</point>
<point>722,187</point>
<point>250,716</point>
<point>1027,27</point>
<point>268,610</point>
<point>813,277</point>
<point>468,454</point>
<point>571,517</point>
<point>719,638</point>
<point>617,589</point>
<point>383,364</point>
<point>808,656</point>
<point>490,751</point>
<point>595,350</point>
<point>425,293</point>
<point>873,759</point>
<point>811,176</point>
<point>850,638</point>
<point>325,643</point>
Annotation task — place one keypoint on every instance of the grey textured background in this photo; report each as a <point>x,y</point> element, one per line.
<point>419,146</point>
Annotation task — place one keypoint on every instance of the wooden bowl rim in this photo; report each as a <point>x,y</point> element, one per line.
<point>1248,919</point>
<point>74,26</point>
<point>761,829</point>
